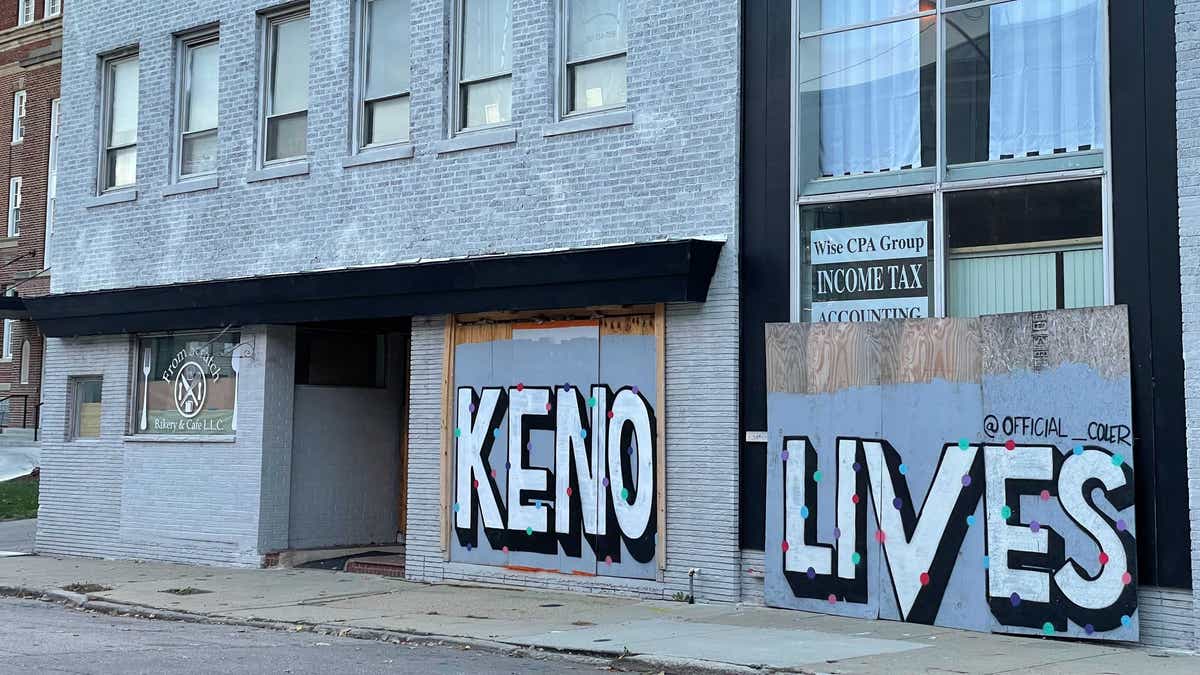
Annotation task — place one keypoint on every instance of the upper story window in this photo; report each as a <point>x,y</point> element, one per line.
<point>483,67</point>
<point>118,162</point>
<point>197,150</point>
<point>595,55</point>
<point>53,8</point>
<point>14,206</point>
<point>25,12</point>
<point>384,72</point>
<point>285,87</point>
<point>18,123</point>
<point>976,131</point>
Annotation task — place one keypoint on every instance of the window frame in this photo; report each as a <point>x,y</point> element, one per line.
<point>136,378</point>
<point>24,19</point>
<point>20,109</point>
<point>75,383</point>
<point>107,64</point>
<point>941,179</point>
<point>15,202</point>
<point>266,41</point>
<point>183,51</point>
<point>457,114</point>
<point>52,8</point>
<point>52,175</point>
<point>362,47</point>
<point>563,91</point>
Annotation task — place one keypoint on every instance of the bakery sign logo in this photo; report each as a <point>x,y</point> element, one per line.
<point>189,374</point>
<point>870,272</point>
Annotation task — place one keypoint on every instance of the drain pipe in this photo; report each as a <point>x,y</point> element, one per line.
<point>692,585</point>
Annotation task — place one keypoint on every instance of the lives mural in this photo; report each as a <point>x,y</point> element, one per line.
<point>969,473</point>
<point>555,446</point>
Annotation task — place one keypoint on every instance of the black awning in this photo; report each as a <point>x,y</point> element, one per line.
<point>669,271</point>
<point>13,307</point>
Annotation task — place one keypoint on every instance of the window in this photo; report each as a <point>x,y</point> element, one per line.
<point>285,94</point>
<point>187,384</point>
<point>53,8</point>
<point>18,125</point>
<point>198,78</point>
<point>86,394</point>
<point>384,72</point>
<point>118,165</point>
<point>14,206</point>
<point>6,351</point>
<point>986,123</point>
<point>595,55</point>
<point>483,64</point>
<point>25,12</point>
<point>52,176</point>
<point>25,362</point>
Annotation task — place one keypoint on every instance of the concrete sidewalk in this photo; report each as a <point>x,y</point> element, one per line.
<point>649,635</point>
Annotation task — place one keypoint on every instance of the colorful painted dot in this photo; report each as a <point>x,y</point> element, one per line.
<point>817,476</point>
<point>803,512</point>
<point>1127,578</point>
<point>537,504</point>
<point>1048,628</point>
<point>583,433</point>
<point>608,560</point>
<point>832,599</point>
<point>1034,526</point>
<point>636,390</point>
<point>1015,599</point>
<point>783,455</point>
<point>496,433</point>
<point>1118,460</point>
<point>854,498</point>
<point>569,491</point>
<point>472,407</point>
<point>970,520</point>
<point>625,494</point>
<point>504,549</point>
<point>1121,526</point>
<point>508,465</point>
<point>1010,444</point>
<point>529,531</point>
<point>785,546</point>
<point>456,507</point>
<point>457,432</point>
<point>857,467</point>
<point>903,469</point>
<point>837,533</point>
<point>1045,495</point>
<point>897,503</point>
<point>966,480</point>
<point>475,483</point>
<point>592,402</point>
<point>520,386</point>
<point>811,573</point>
<point>963,444</point>
<point>924,578</point>
<point>1006,512</point>
<point>1078,451</point>
<point>1103,558</point>
<point>1125,620</point>
<point>529,445</point>
<point>880,536</point>
<point>549,407</point>
<point>611,414</point>
<point>567,386</point>
<point>629,451</point>
<point>469,547</point>
<point>987,562</point>
<point>856,558</point>
<point>605,481</point>
<point>1089,629</point>
<point>493,473</point>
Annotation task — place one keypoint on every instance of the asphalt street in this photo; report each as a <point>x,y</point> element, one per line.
<point>40,637</point>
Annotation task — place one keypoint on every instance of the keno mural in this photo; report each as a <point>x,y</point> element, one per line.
<point>555,441</point>
<point>971,473</point>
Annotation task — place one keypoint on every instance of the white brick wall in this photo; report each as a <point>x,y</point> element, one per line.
<point>1187,33</point>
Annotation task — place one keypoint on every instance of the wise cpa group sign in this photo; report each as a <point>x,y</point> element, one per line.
<point>870,273</point>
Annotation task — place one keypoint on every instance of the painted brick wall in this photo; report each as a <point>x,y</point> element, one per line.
<point>176,501</point>
<point>1187,30</point>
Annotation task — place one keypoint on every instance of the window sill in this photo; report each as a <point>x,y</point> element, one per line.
<point>19,141</point>
<point>279,171</point>
<point>10,241</point>
<point>377,155</point>
<point>192,185</point>
<point>477,139</point>
<point>180,438</point>
<point>6,359</point>
<point>115,197</point>
<point>574,125</point>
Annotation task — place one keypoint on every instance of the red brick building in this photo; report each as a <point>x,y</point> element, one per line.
<point>30,57</point>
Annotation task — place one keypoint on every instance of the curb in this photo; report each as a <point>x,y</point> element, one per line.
<point>623,663</point>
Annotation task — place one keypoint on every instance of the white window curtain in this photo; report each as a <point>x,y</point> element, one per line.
<point>1047,77</point>
<point>870,89</point>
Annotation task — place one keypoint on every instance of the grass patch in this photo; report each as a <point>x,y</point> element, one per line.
<point>19,499</point>
<point>188,590</point>
<point>85,588</point>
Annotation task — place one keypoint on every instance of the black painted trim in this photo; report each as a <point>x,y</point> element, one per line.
<point>669,271</point>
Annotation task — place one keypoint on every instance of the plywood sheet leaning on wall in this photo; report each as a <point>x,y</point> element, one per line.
<point>968,473</point>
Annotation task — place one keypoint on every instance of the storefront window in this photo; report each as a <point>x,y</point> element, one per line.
<point>983,125</point>
<point>187,384</point>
